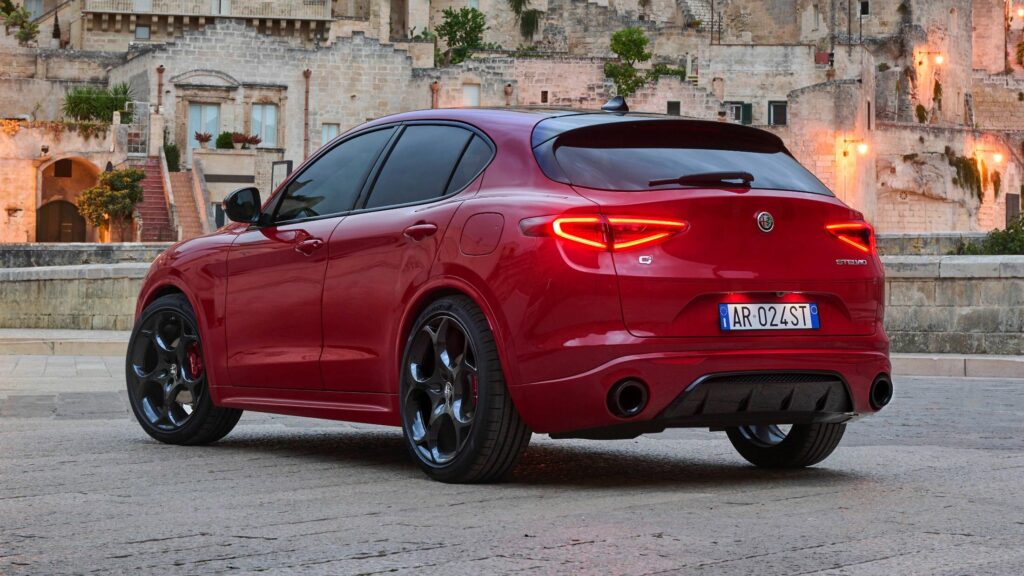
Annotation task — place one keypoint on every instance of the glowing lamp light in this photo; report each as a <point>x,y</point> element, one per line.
<point>1020,12</point>
<point>940,59</point>
<point>998,158</point>
<point>862,148</point>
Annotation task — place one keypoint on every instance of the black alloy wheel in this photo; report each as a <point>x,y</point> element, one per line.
<point>167,382</point>
<point>775,446</point>
<point>458,419</point>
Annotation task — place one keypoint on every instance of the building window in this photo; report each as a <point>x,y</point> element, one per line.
<point>142,32</point>
<point>543,96</point>
<point>778,113</point>
<point>221,7</point>
<point>34,7</point>
<point>202,118</point>
<point>142,5</point>
<point>62,169</point>
<point>865,8</point>
<point>470,94</point>
<point>329,132</point>
<point>1013,206</point>
<point>871,117</point>
<point>474,4</point>
<point>741,112</point>
<point>673,108</point>
<point>264,124</point>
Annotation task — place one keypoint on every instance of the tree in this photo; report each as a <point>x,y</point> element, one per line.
<point>463,31</point>
<point>21,19</point>
<point>630,45</point>
<point>113,200</point>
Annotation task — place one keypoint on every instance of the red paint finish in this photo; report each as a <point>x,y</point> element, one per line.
<point>311,318</point>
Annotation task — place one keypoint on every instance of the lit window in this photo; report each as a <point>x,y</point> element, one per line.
<point>264,124</point>
<point>142,32</point>
<point>778,113</point>
<point>328,132</point>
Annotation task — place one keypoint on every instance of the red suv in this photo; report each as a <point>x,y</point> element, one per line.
<point>478,275</point>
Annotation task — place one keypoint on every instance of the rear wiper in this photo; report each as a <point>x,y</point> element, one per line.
<point>709,179</point>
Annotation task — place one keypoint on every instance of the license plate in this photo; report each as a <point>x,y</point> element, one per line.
<point>788,316</point>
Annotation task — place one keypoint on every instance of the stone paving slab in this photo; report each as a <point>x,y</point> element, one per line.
<point>931,485</point>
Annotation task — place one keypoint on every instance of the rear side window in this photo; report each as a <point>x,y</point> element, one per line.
<point>629,156</point>
<point>420,166</point>
<point>474,159</point>
<point>332,183</point>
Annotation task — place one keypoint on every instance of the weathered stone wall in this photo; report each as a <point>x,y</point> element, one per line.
<point>33,82</point>
<point>934,244</point>
<point>955,304</point>
<point>999,102</point>
<point>934,304</point>
<point>989,35</point>
<point>92,297</point>
<point>72,254</point>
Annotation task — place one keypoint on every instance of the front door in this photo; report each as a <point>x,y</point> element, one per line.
<point>59,221</point>
<point>381,255</point>
<point>276,273</point>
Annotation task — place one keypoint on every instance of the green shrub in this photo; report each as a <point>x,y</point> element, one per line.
<point>173,156</point>
<point>112,201</point>
<point>225,142</point>
<point>88,103</point>
<point>630,45</point>
<point>463,31</point>
<point>997,242</point>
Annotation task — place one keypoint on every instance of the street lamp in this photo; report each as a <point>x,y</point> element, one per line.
<point>997,156</point>
<point>940,59</point>
<point>862,147</point>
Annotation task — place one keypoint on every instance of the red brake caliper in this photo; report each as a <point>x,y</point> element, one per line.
<point>195,361</point>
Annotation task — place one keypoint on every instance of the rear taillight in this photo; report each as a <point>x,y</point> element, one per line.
<point>860,235</point>
<point>605,232</point>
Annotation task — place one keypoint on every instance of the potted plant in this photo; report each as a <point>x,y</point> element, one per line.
<point>204,139</point>
<point>238,139</point>
<point>253,141</point>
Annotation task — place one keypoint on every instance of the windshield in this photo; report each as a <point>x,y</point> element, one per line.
<point>634,156</point>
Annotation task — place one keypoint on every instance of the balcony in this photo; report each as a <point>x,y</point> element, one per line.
<point>259,9</point>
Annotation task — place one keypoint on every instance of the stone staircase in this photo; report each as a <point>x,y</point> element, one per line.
<point>185,202</point>
<point>156,222</point>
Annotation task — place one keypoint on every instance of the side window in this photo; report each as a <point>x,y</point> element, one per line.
<point>476,156</point>
<point>420,165</point>
<point>332,183</point>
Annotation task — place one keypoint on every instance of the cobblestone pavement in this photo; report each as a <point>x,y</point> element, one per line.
<point>933,485</point>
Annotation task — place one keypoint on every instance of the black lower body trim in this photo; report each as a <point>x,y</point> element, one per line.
<point>744,398</point>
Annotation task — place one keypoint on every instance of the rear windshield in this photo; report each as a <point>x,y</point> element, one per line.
<point>629,156</point>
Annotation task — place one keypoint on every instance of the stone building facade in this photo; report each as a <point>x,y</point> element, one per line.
<point>879,98</point>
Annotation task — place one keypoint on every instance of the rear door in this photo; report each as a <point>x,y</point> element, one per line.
<point>765,241</point>
<point>383,253</point>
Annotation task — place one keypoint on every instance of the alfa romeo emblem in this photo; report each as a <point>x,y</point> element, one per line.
<point>765,222</point>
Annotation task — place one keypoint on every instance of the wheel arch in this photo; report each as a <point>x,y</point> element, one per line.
<point>451,286</point>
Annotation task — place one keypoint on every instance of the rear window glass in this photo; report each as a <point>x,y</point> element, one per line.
<point>629,156</point>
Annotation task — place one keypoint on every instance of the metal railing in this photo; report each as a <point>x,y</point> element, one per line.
<point>287,9</point>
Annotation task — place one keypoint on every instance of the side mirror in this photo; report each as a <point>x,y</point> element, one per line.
<point>243,205</point>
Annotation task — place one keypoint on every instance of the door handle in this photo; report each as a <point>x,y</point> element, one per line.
<point>420,231</point>
<point>309,246</point>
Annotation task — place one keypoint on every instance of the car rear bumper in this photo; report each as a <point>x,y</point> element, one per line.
<point>708,389</point>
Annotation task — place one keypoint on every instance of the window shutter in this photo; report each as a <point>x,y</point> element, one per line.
<point>747,114</point>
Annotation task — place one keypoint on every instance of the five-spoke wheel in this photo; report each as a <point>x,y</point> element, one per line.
<point>167,382</point>
<point>460,423</point>
<point>442,395</point>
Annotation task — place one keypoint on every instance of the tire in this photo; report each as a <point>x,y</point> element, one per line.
<point>167,384</point>
<point>457,417</point>
<point>804,445</point>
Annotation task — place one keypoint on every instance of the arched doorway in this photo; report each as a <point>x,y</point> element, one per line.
<point>61,182</point>
<point>59,221</point>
